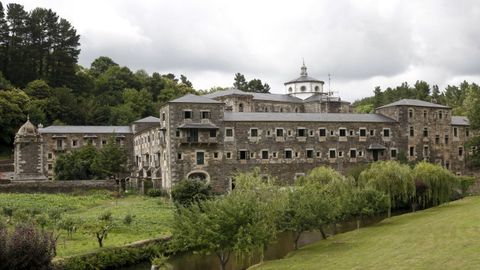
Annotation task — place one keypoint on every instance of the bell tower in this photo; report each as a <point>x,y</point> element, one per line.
<point>28,154</point>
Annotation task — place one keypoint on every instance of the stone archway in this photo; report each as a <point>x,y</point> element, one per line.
<point>199,175</point>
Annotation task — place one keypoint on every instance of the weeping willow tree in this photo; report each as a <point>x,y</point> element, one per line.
<point>391,178</point>
<point>437,183</point>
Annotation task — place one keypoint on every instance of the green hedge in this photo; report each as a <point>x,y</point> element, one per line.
<point>113,258</point>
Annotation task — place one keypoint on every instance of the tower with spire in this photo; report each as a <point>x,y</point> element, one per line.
<point>304,86</point>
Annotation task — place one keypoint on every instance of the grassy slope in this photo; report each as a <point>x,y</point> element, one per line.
<point>446,237</point>
<point>152,217</point>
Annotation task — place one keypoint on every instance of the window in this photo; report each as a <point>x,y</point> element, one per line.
<point>440,115</point>
<point>332,153</point>
<point>372,132</point>
<point>386,132</point>
<point>177,133</point>
<point>412,131</point>
<point>213,133</point>
<point>351,132</point>
<point>296,154</point>
<point>179,155</point>
<point>242,154</point>
<point>363,132</point>
<point>279,132</point>
<point>268,133</point>
<point>340,153</point>
<point>310,132</point>
<point>437,139</point>
<point>301,132</point>
<point>240,107</point>
<point>59,144</point>
<point>393,153</point>
<point>425,151</point>
<point>412,151</point>
<point>447,164</point>
<point>163,117</point>
<point>455,132</point>
<point>290,89</point>
<point>104,142</point>
<point>425,132</point>
<point>205,115</point>
<point>309,153</point>
<point>229,132</point>
<point>288,153</point>
<point>264,154</point>
<point>50,166</point>
<point>274,154</point>
<point>200,158</point>
<point>410,113</point>
<point>289,133</point>
<point>322,132</point>
<point>229,155</point>
<point>332,133</point>
<point>187,114</point>
<point>446,139</point>
<point>342,132</point>
<point>317,88</point>
<point>353,153</point>
<point>74,143</point>
<point>253,132</point>
<point>460,151</point>
<point>50,155</point>
<point>252,155</point>
<point>215,155</point>
<point>303,88</point>
<point>467,132</point>
<point>425,115</point>
<point>319,154</point>
<point>360,153</point>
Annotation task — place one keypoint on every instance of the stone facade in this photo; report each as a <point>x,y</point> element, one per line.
<point>216,145</point>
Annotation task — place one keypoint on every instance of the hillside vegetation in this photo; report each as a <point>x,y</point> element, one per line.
<point>444,237</point>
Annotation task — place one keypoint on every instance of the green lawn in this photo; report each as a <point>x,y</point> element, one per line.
<point>445,237</point>
<point>153,216</point>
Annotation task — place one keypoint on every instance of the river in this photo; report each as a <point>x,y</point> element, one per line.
<point>277,250</point>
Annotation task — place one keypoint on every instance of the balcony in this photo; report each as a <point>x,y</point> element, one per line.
<point>197,140</point>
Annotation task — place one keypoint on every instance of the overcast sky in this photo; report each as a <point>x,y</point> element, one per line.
<point>363,44</point>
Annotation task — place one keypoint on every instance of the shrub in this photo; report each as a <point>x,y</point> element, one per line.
<point>157,192</point>
<point>128,219</point>
<point>26,248</point>
<point>187,192</point>
<point>439,183</point>
<point>464,183</point>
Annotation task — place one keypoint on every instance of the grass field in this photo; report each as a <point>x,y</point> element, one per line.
<point>445,237</point>
<point>153,216</point>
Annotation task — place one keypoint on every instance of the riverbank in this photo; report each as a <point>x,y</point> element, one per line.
<point>444,237</point>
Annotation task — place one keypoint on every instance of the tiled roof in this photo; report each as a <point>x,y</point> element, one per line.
<point>189,98</point>
<point>85,129</point>
<point>148,119</point>
<point>256,96</point>
<point>306,117</point>
<point>414,103</point>
<point>460,121</point>
<point>304,79</point>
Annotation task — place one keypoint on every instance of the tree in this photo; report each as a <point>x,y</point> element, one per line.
<point>76,165</point>
<point>392,178</point>
<point>438,182</point>
<point>101,65</point>
<point>239,223</point>
<point>101,227</point>
<point>111,160</point>
<point>13,105</point>
<point>188,192</point>
<point>38,89</point>
<point>366,202</point>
